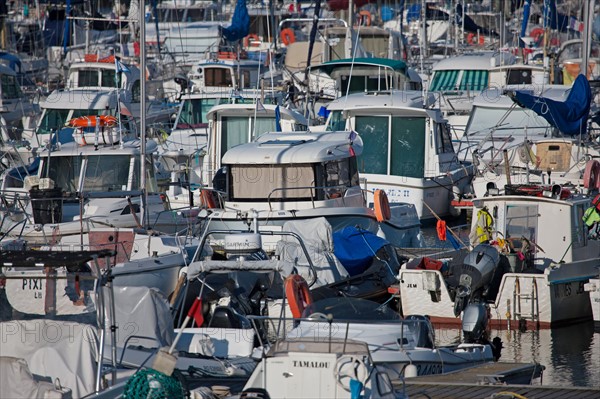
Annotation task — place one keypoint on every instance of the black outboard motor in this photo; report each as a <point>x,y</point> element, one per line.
<point>479,277</point>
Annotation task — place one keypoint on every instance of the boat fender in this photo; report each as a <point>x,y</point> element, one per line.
<point>410,371</point>
<point>287,36</point>
<point>297,294</point>
<point>381,206</point>
<point>207,200</point>
<point>591,175</point>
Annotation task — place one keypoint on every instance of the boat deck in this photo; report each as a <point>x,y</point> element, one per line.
<point>492,380</point>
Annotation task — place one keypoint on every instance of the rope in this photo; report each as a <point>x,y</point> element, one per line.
<point>152,384</point>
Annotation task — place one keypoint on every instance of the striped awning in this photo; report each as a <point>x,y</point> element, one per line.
<point>444,80</point>
<point>475,80</point>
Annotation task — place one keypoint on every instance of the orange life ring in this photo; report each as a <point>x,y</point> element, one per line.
<point>252,40</point>
<point>381,206</point>
<point>207,200</point>
<point>92,121</point>
<point>287,36</point>
<point>364,18</point>
<point>591,175</point>
<point>297,294</point>
<point>471,38</point>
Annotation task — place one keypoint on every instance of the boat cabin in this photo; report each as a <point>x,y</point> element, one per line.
<point>224,72</point>
<point>544,224</point>
<point>292,171</point>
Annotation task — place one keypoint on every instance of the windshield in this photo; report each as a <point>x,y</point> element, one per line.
<point>506,121</point>
<point>343,308</point>
<point>193,112</point>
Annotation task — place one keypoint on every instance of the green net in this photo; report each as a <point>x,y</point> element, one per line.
<point>152,384</point>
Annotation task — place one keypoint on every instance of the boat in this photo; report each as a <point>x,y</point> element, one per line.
<point>512,143</point>
<point>401,155</point>
<point>16,109</point>
<point>73,188</point>
<point>522,270</point>
<point>282,176</point>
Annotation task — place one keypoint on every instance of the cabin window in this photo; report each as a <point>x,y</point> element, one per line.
<point>443,139</point>
<point>193,113</point>
<point>136,91</point>
<point>475,80</point>
<point>87,78</point>
<point>52,120</point>
<point>109,79</point>
<point>151,184</point>
<point>503,120</point>
<point>521,222</point>
<point>263,125</point>
<point>64,171</point>
<point>106,173</point>
<point>518,76</point>
<point>337,176</point>
<point>408,147</point>
<point>374,132</point>
<point>246,83</point>
<point>234,132</point>
<point>444,81</point>
<point>217,77</point>
<point>10,87</point>
<point>360,84</point>
<point>336,122</point>
<point>277,182</point>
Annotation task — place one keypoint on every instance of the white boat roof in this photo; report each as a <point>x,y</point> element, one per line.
<point>294,148</point>
<point>251,110</point>
<point>475,61</point>
<point>130,147</point>
<point>81,99</point>
<point>388,103</point>
<point>496,98</point>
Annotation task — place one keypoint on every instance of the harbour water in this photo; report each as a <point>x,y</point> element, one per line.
<point>571,354</point>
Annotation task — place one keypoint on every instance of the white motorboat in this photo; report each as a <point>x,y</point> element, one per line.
<point>408,149</point>
<point>76,188</point>
<point>534,274</point>
<point>286,176</point>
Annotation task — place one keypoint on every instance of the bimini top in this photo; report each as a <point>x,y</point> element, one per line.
<point>295,148</point>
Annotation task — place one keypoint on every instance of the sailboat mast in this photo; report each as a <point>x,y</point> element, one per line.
<point>143,110</point>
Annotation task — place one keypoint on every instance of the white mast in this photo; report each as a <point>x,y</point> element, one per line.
<point>142,14</point>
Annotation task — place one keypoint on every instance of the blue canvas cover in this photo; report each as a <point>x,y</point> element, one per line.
<point>355,248</point>
<point>240,23</point>
<point>568,116</point>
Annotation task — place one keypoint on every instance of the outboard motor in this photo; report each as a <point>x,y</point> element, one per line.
<point>474,322</point>
<point>475,276</point>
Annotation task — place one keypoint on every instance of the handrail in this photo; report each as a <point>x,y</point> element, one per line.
<point>267,233</point>
<point>312,196</point>
<point>308,20</point>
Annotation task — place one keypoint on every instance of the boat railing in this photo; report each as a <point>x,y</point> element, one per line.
<point>339,194</point>
<point>296,236</point>
<point>325,329</point>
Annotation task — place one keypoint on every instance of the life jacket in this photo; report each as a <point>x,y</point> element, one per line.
<point>483,228</point>
<point>591,216</point>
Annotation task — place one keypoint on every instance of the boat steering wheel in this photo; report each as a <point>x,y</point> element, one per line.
<point>349,367</point>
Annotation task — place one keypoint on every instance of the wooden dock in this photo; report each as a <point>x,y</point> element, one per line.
<point>491,380</point>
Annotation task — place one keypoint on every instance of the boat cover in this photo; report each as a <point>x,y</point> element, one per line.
<point>56,349</point>
<point>240,23</point>
<point>142,311</point>
<point>18,382</point>
<point>569,116</point>
<point>355,248</point>
<point>316,235</point>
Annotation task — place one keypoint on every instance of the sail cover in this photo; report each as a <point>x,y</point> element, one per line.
<point>240,23</point>
<point>568,116</point>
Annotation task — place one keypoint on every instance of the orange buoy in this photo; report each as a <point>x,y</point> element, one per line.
<point>381,206</point>
<point>364,18</point>
<point>92,121</point>
<point>297,294</point>
<point>287,36</point>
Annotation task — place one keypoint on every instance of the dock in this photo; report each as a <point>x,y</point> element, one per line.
<point>492,380</point>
